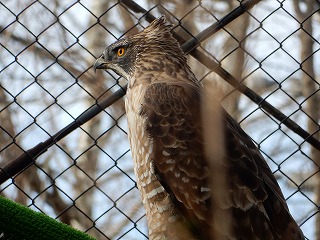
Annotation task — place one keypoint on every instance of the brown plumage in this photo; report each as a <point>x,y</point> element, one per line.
<point>166,135</point>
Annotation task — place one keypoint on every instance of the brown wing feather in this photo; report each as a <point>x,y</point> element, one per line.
<point>283,225</point>
<point>252,195</point>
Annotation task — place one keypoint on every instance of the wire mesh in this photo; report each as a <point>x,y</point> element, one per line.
<point>86,179</point>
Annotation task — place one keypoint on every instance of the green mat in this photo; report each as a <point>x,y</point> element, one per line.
<point>19,222</point>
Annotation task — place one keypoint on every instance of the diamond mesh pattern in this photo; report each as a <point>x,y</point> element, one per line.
<point>86,179</point>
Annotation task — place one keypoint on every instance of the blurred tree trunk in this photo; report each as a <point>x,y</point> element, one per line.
<point>235,63</point>
<point>87,162</point>
<point>97,42</point>
<point>7,131</point>
<point>10,149</point>
<point>310,88</point>
<point>8,146</point>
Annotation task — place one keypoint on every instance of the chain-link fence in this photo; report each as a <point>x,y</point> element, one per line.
<point>86,179</point>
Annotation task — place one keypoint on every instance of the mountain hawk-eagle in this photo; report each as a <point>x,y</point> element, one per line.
<point>166,134</point>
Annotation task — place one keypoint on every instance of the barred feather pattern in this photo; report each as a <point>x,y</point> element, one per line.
<point>163,217</point>
<point>163,106</point>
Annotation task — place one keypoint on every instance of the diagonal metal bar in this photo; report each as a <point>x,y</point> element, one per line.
<point>194,42</point>
<point>190,47</point>
<point>29,156</point>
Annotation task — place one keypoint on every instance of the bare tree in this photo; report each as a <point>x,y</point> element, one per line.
<point>304,11</point>
<point>86,179</point>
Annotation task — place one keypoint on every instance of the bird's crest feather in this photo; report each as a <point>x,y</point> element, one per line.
<point>158,25</point>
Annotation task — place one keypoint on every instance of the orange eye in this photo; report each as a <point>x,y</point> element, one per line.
<point>120,51</point>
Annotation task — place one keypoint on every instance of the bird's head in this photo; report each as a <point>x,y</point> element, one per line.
<point>145,49</point>
<point>119,57</point>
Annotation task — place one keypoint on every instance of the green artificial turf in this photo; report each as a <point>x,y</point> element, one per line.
<point>20,222</point>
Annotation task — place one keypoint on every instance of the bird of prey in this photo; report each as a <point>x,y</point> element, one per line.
<point>166,134</point>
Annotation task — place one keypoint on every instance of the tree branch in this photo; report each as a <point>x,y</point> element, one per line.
<point>30,155</point>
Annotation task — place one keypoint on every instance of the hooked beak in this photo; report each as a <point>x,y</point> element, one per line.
<point>100,63</point>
